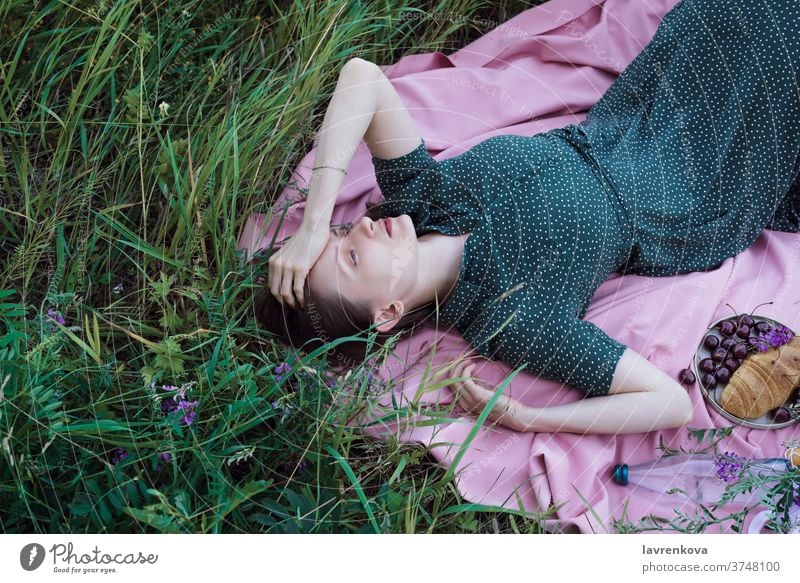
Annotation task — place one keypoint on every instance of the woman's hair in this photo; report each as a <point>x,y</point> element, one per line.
<point>324,319</point>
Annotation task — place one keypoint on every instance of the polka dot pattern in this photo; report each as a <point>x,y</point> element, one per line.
<point>687,157</point>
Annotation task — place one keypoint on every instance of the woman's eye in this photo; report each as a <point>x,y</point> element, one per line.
<point>353,255</point>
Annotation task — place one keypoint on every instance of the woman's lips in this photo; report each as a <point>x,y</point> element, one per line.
<point>387,223</point>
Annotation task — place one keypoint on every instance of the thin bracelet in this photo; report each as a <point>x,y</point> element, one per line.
<point>334,167</point>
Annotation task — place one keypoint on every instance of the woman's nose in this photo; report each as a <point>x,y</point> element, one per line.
<point>368,225</point>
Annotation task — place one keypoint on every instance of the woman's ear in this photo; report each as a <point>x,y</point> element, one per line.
<point>388,317</point>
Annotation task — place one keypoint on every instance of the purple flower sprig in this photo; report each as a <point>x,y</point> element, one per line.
<point>729,466</point>
<point>281,371</point>
<point>56,315</point>
<point>188,410</point>
<point>179,402</point>
<point>163,456</point>
<point>120,454</point>
<point>772,338</point>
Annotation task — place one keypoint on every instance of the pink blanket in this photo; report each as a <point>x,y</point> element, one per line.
<point>544,69</point>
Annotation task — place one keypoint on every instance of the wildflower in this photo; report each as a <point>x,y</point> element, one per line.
<point>281,369</point>
<point>285,410</point>
<point>772,338</point>
<point>181,392</point>
<point>120,454</point>
<point>56,315</point>
<point>761,343</point>
<point>779,336</point>
<point>188,411</point>
<point>165,456</point>
<point>163,108</point>
<point>729,465</point>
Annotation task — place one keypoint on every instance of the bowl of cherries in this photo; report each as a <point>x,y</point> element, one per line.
<point>724,346</point>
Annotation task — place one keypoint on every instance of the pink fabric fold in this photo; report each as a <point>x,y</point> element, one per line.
<point>543,69</point>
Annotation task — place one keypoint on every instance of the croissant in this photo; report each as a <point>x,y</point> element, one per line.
<point>763,382</point>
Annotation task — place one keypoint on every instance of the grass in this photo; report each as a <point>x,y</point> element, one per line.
<point>137,137</point>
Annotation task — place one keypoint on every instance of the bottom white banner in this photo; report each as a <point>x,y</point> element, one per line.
<point>352,558</point>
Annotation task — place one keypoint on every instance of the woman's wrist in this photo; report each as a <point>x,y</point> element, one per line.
<point>518,417</point>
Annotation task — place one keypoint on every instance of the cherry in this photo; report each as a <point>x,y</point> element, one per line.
<point>743,331</point>
<point>723,374</point>
<point>686,377</point>
<point>709,381</point>
<point>728,343</point>
<point>711,342</point>
<point>707,365</point>
<point>719,354</point>
<point>727,327</point>
<point>780,415</point>
<point>746,320</point>
<point>740,350</point>
<point>732,363</point>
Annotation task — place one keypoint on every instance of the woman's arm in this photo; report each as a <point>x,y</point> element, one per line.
<point>364,105</point>
<point>642,398</point>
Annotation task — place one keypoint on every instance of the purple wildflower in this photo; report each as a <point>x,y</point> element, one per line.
<point>772,338</point>
<point>168,405</point>
<point>331,383</point>
<point>780,336</point>
<point>729,465</point>
<point>178,402</point>
<point>120,454</point>
<point>165,456</point>
<point>761,343</point>
<point>56,315</point>
<point>181,390</point>
<point>188,411</point>
<point>280,369</point>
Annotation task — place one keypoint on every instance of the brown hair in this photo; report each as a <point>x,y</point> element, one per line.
<point>325,319</point>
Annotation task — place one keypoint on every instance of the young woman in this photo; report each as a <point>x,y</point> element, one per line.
<point>687,157</point>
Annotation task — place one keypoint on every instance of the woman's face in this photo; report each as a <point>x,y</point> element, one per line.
<point>367,264</point>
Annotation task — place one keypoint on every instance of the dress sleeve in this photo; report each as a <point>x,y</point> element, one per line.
<point>563,349</point>
<point>447,193</point>
<point>426,188</point>
<point>404,175</point>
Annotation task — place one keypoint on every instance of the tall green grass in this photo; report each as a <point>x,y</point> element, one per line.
<point>136,139</point>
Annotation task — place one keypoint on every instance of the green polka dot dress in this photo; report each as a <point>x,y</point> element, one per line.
<point>687,157</point>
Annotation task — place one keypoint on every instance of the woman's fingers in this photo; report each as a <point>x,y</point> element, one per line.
<point>286,287</point>
<point>274,276</point>
<point>465,389</point>
<point>299,283</point>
